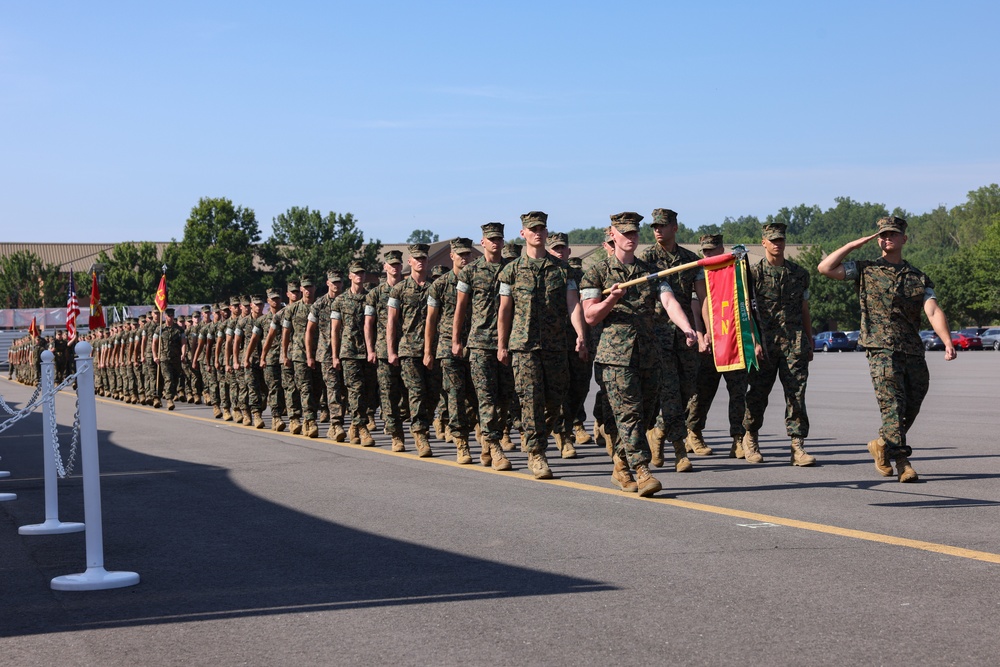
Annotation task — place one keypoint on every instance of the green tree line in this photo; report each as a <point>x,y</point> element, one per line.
<point>959,248</point>
<point>221,254</point>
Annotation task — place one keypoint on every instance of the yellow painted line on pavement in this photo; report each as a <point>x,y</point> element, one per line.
<point>945,549</point>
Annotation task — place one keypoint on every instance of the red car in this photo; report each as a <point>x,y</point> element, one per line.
<point>964,341</point>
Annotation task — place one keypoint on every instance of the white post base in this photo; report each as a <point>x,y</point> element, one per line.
<point>94,579</point>
<point>51,527</point>
<point>8,496</point>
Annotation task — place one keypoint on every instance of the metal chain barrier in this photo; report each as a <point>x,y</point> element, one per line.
<point>31,401</point>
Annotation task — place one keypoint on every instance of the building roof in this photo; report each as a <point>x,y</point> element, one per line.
<point>79,256</point>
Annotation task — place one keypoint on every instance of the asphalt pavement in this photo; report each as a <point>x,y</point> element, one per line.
<point>270,549</point>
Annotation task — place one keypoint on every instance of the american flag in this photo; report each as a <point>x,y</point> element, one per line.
<point>72,308</point>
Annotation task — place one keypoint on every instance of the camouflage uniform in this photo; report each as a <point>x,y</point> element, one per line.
<point>780,293</point>
<point>679,361</point>
<point>170,342</point>
<point>272,361</point>
<point>492,382</point>
<point>455,372</point>
<point>410,299</point>
<point>892,300</point>
<point>349,309</point>
<point>308,380</point>
<point>252,372</point>
<point>626,370</point>
<point>390,382</point>
<point>333,379</point>
<point>538,290</point>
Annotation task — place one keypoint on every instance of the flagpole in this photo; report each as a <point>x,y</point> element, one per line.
<point>718,259</point>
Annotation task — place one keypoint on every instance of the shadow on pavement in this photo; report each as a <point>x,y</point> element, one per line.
<point>206,549</point>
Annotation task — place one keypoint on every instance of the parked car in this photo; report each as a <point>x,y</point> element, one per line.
<point>991,338</point>
<point>963,341</point>
<point>854,337</point>
<point>931,340</point>
<point>832,340</point>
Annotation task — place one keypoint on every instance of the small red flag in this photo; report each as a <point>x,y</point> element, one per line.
<point>96,312</point>
<point>161,294</point>
<point>33,327</point>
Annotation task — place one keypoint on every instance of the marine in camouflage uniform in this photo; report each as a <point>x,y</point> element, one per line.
<point>580,370</point>
<point>680,361</point>
<point>893,293</point>
<point>455,373</point>
<point>709,379</point>
<point>151,370</point>
<point>242,325</point>
<point>476,306</point>
<point>627,372</point>
<point>782,293</point>
<point>536,293</point>
<point>349,354</point>
<point>170,342</point>
<point>221,359</point>
<point>308,378</point>
<point>270,332</point>
<point>390,382</point>
<point>405,341</point>
<point>318,349</point>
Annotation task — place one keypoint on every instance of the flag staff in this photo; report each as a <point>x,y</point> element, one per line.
<point>161,305</point>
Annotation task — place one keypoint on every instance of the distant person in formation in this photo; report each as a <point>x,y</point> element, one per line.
<point>893,294</point>
<point>782,290</point>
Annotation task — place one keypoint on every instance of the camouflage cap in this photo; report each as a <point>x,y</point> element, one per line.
<point>609,238</point>
<point>418,250</point>
<point>774,230</point>
<point>334,276</point>
<point>222,305</point>
<point>534,219</point>
<point>393,257</point>
<point>357,266</point>
<point>557,239</point>
<point>439,270</point>
<point>891,223</point>
<point>710,241</point>
<point>257,299</point>
<point>511,250</point>
<point>461,245</point>
<point>245,300</point>
<point>293,285</point>
<point>575,262</point>
<point>274,293</point>
<point>206,309</point>
<point>234,301</point>
<point>307,281</point>
<point>626,221</point>
<point>664,216</point>
<point>493,230</point>
<point>169,312</point>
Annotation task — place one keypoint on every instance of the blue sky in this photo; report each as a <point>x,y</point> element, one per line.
<point>117,117</point>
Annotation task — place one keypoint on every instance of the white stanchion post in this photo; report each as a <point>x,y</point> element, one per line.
<point>52,525</point>
<point>96,578</point>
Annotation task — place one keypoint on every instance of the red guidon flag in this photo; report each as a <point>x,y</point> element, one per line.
<point>730,323</point>
<point>96,311</point>
<point>33,327</point>
<point>161,294</point>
